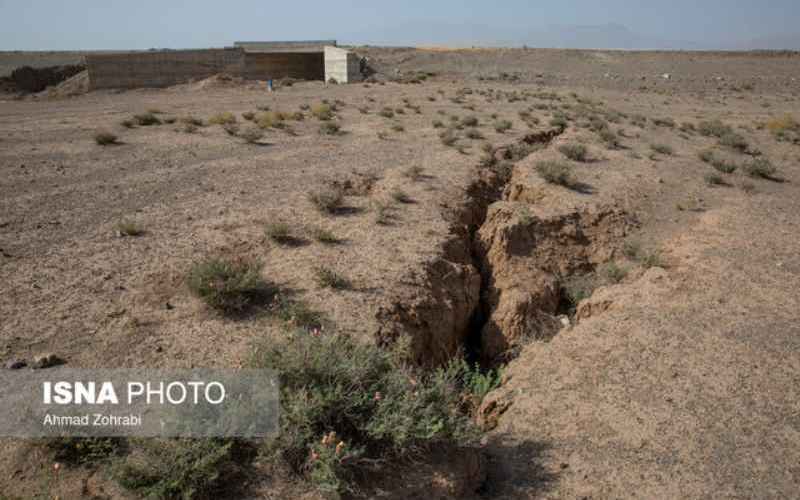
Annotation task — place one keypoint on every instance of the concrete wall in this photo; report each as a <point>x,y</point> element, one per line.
<point>161,68</point>
<point>341,65</point>
<point>293,46</point>
<point>265,66</point>
<point>165,68</point>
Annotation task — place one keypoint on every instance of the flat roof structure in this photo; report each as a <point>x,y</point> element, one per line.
<point>307,46</point>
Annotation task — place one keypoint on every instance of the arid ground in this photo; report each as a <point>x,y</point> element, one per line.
<point>624,250</point>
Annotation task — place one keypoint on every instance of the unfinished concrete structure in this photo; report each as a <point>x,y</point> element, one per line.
<point>305,60</point>
<point>341,66</point>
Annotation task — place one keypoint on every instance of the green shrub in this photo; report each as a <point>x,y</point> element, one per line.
<point>345,403</point>
<point>398,127</point>
<point>612,272</point>
<point>326,277</point>
<point>297,314</point>
<point>559,121</point>
<point>760,168</point>
<point>476,383</point>
<point>105,138</point>
<point>228,285</point>
<point>734,141</point>
<point>85,451</point>
<point>438,124</point>
<point>714,128</point>
<point>503,126</point>
<point>182,468</point>
<point>632,249</point>
<point>128,123</point>
<point>249,116</point>
<point>556,172</point>
<point>724,166</point>
<point>386,113</point>
<point>609,138</point>
<point>573,151</point>
<point>650,259</point>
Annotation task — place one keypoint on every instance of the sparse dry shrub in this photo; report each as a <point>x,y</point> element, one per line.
<point>227,285</point>
<point>556,172</point>
<point>271,119</point>
<point>105,138</point>
<point>761,168</point>
<point>330,128</point>
<point>663,149</point>
<point>735,141</point>
<point>322,111</point>
<point>146,119</point>
<point>448,138</point>
<point>713,128</point>
<point>231,129</point>
<point>224,118</point>
<point>503,126</point>
<point>574,151</point>
<point>252,135</point>
<point>129,228</point>
<point>325,277</point>
<point>470,121</point>
<point>328,199</point>
<point>346,402</point>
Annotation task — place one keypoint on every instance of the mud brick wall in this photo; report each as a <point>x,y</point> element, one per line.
<point>162,68</point>
<point>265,66</point>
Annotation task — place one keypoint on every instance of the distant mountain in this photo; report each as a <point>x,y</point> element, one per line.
<point>602,36</point>
<point>605,36</point>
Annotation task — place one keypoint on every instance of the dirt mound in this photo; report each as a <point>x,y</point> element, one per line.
<point>30,79</point>
<point>76,85</point>
<point>218,81</point>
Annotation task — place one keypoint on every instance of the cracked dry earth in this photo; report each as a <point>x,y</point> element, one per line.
<point>678,379</point>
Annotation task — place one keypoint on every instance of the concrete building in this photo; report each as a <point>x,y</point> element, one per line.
<point>305,60</point>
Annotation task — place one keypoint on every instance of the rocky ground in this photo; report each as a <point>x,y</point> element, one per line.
<point>644,311</point>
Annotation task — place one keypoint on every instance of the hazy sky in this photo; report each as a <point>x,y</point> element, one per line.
<point>141,24</point>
